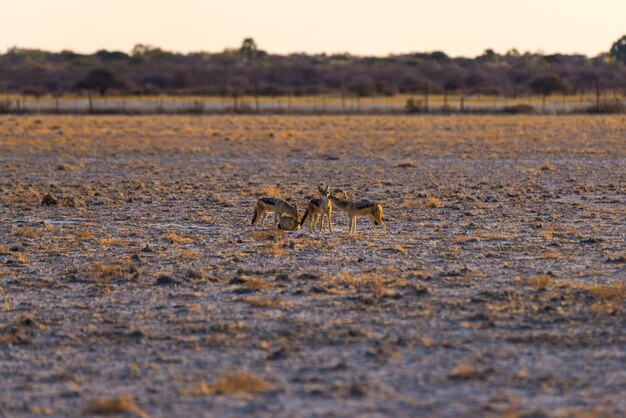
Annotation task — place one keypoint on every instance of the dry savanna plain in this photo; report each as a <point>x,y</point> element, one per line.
<point>139,287</point>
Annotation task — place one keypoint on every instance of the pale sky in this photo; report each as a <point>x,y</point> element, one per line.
<point>362,27</point>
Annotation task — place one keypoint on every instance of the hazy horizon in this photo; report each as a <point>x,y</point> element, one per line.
<point>281,27</point>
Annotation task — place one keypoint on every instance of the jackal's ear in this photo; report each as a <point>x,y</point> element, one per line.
<point>321,189</point>
<point>327,190</point>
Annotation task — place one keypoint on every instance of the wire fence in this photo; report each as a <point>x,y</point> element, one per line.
<point>557,104</point>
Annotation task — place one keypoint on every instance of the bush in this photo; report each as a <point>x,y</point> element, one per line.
<point>5,106</point>
<point>519,109</point>
<point>607,108</point>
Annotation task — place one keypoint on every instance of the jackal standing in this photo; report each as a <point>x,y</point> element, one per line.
<point>319,208</point>
<point>266,205</point>
<point>360,208</point>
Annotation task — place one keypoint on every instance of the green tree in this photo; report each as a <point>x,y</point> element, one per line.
<point>101,80</point>
<point>249,49</point>
<point>618,50</point>
<point>546,85</point>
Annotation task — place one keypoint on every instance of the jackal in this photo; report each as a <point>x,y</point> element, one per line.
<point>320,208</point>
<point>360,208</point>
<point>288,223</point>
<point>266,205</point>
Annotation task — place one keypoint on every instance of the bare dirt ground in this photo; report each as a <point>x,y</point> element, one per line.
<point>499,290</point>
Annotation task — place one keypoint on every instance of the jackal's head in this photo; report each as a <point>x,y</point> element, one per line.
<point>289,223</point>
<point>325,191</point>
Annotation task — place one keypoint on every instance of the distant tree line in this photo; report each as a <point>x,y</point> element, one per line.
<point>249,70</point>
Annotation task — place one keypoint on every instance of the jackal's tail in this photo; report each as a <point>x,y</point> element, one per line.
<point>306,213</point>
<point>256,214</point>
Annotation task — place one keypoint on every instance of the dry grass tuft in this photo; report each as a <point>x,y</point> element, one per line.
<point>399,249</point>
<point>83,235</point>
<point>465,371</point>
<point>98,270</point>
<point>20,258</point>
<point>26,232</point>
<point>269,234</point>
<point>119,405</point>
<point>617,258</point>
<point>546,167</point>
<point>551,255</point>
<point>540,281</point>
<point>259,302</point>
<point>105,242</point>
<point>378,286</point>
<point>607,293</point>
<point>492,236</point>
<point>189,254</point>
<point>276,250</point>
<point>255,284</point>
<point>175,238</point>
<point>433,202</point>
<point>243,383</point>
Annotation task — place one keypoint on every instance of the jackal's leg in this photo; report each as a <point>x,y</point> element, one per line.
<point>352,225</point>
<point>330,223</point>
<point>321,223</point>
<point>276,219</point>
<point>255,217</point>
<point>380,221</point>
<point>312,222</point>
<point>379,217</point>
<point>317,220</point>
<point>265,215</point>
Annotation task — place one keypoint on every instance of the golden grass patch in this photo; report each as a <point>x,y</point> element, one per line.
<point>259,302</point>
<point>491,236</point>
<point>551,255</point>
<point>189,254</point>
<point>546,167</point>
<point>26,232</point>
<point>20,258</point>
<point>433,202</point>
<point>465,371</point>
<point>539,281</point>
<point>104,242</point>
<point>97,270</point>
<point>174,238</point>
<point>6,304</point>
<point>241,384</point>
<point>380,286</point>
<point>255,284</point>
<point>276,250</point>
<point>268,234</point>
<point>83,235</point>
<point>112,406</point>
<point>607,293</point>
